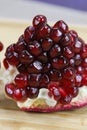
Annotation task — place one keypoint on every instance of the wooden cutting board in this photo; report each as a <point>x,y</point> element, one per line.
<point>11,118</point>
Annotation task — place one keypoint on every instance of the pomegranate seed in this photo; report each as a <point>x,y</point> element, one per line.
<point>65,99</point>
<point>43,31</point>
<point>55,35</point>
<point>43,57</point>
<point>74,91</point>
<point>34,48</point>
<point>47,44</point>
<point>44,81</point>
<point>61,25</point>
<point>21,80</point>
<point>32,92</point>
<point>29,34</point>
<point>9,89</point>
<point>6,64</point>
<point>21,38</point>
<point>79,70</point>
<point>20,46</point>
<point>12,58</point>
<point>10,49</point>
<point>25,57</point>
<point>1,46</point>
<point>55,75</point>
<point>68,52</point>
<point>34,80</point>
<point>72,62</point>
<point>78,80</point>
<point>66,84</point>
<point>67,39</point>
<point>46,68</point>
<point>21,68</point>
<point>55,51</point>
<point>68,73</point>
<point>77,59</point>
<point>84,51</point>
<point>74,34</point>
<point>84,62</point>
<point>19,94</point>
<point>85,70</point>
<point>35,67</point>
<point>54,90</point>
<point>39,19</point>
<point>59,63</point>
<point>84,79</point>
<point>77,46</point>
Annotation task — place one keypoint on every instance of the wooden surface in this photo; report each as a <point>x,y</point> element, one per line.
<point>11,118</point>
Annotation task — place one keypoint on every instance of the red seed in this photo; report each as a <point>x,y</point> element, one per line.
<point>55,51</point>
<point>43,31</point>
<point>35,48</point>
<point>59,63</point>
<point>61,25</point>
<point>19,94</point>
<point>6,64</point>
<point>68,52</point>
<point>25,57</point>
<point>39,19</point>
<point>21,80</point>
<point>29,34</point>
<point>9,89</point>
<point>78,80</point>
<point>55,35</point>
<point>1,46</point>
<point>32,92</point>
<point>47,44</point>
<point>54,90</point>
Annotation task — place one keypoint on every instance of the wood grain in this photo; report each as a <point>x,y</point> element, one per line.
<point>11,118</point>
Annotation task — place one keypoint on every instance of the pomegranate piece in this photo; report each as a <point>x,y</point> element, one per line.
<point>51,62</point>
<point>1,46</point>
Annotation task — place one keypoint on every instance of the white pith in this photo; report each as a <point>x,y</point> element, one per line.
<point>43,98</point>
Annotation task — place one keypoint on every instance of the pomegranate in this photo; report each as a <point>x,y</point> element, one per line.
<point>47,68</point>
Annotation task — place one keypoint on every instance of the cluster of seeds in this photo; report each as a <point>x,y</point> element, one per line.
<point>51,57</point>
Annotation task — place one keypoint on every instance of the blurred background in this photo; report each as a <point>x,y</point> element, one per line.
<point>72,11</point>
